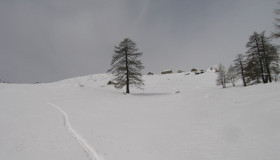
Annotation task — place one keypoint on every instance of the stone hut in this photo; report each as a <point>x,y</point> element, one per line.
<point>194,70</point>
<point>166,71</point>
<point>180,71</point>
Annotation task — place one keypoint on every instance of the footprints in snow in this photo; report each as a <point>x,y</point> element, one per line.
<point>92,153</point>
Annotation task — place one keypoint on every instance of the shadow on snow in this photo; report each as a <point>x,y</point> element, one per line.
<point>150,94</point>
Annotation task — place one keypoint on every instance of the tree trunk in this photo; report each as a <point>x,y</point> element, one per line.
<point>242,74</point>
<point>224,82</point>
<point>268,70</point>
<point>266,62</point>
<point>232,82</point>
<point>127,73</point>
<point>261,63</point>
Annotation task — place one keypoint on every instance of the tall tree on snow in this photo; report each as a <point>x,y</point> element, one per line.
<point>270,56</point>
<point>261,58</point>
<point>255,63</point>
<point>239,66</point>
<point>125,65</point>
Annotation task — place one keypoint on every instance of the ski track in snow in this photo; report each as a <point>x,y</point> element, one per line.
<point>92,153</point>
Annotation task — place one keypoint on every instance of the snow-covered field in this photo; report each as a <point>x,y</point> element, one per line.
<point>83,118</point>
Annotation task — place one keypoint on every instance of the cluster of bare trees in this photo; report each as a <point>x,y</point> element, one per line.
<point>225,76</point>
<point>260,64</point>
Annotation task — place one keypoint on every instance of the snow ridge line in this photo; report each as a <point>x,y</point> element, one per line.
<point>83,143</point>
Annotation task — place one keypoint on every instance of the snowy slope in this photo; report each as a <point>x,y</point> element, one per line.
<point>83,118</point>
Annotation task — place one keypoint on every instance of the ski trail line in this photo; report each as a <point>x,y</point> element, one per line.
<point>83,143</point>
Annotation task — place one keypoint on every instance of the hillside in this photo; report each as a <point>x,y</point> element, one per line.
<point>176,117</point>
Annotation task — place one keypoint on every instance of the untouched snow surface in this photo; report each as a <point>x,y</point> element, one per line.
<point>176,117</point>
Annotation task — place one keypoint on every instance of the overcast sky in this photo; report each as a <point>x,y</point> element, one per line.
<point>50,40</point>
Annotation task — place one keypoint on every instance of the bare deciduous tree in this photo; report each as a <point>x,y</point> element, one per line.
<point>221,79</point>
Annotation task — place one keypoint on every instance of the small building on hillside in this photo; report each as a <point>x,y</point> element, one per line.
<point>180,71</point>
<point>166,71</point>
<point>194,70</point>
<point>197,73</point>
<point>202,71</point>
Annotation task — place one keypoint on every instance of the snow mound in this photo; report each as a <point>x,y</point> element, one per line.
<point>96,80</point>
